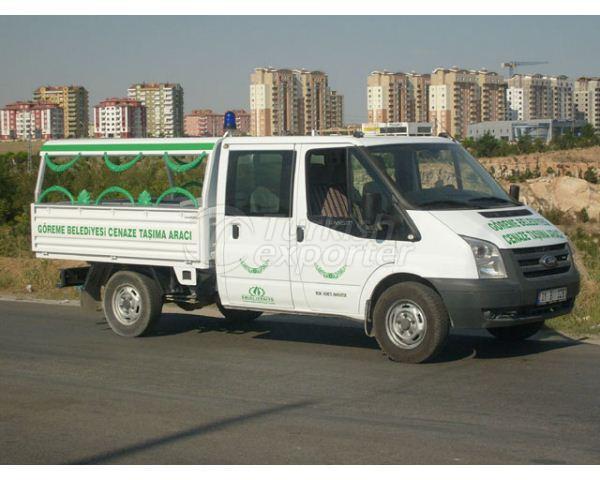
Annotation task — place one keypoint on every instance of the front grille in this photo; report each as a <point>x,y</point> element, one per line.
<point>528,260</point>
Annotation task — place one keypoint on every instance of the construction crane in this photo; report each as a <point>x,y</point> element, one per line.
<point>513,64</point>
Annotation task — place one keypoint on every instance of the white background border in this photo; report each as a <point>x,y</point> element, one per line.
<point>298,7</point>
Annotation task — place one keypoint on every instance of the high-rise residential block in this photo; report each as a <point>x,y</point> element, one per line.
<point>458,98</point>
<point>397,97</point>
<point>292,102</point>
<point>563,107</point>
<point>164,107</point>
<point>206,123</point>
<point>74,102</point>
<point>313,93</point>
<point>119,118</point>
<point>31,120</point>
<point>453,100</point>
<point>493,96</point>
<point>334,110</point>
<point>587,100</point>
<point>537,96</point>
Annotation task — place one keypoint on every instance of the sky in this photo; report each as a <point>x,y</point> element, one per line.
<point>212,57</point>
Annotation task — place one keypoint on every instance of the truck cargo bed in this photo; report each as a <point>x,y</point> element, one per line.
<point>167,235</point>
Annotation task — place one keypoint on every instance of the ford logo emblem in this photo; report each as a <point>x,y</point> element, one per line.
<point>549,261</point>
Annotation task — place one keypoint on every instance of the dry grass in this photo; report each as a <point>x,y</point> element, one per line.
<point>585,318</point>
<point>16,274</point>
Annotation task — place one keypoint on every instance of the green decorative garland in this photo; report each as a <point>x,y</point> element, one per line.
<point>120,190</point>
<point>56,188</point>
<point>179,190</point>
<point>330,275</point>
<point>260,269</point>
<point>114,167</point>
<point>183,167</point>
<point>55,167</point>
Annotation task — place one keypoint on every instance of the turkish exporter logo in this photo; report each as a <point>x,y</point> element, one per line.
<point>330,275</point>
<point>257,295</point>
<point>260,269</point>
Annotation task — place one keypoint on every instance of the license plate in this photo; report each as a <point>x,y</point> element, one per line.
<point>552,295</point>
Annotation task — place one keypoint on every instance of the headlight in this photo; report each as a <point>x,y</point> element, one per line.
<point>487,258</point>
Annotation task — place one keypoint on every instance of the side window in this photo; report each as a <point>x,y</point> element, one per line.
<point>337,186</point>
<point>327,185</point>
<point>259,183</point>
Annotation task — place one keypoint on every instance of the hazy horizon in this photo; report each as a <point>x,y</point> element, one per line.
<point>212,57</point>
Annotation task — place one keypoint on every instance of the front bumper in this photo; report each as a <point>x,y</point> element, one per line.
<point>485,303</point>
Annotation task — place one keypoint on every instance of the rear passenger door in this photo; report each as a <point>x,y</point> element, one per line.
<point>256,229</point>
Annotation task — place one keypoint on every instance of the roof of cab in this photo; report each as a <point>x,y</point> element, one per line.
<point>336,139</point>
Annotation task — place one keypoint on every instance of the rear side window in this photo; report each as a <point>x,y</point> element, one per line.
<point>259,183</point>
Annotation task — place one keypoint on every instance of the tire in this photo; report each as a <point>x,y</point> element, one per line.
<point>132,303</point>
<point>410,322</point>
<point>516,333</point>
<point>237,315</point>
<point>188,307</point>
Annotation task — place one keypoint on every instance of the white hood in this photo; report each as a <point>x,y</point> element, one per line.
<point>518,230</point>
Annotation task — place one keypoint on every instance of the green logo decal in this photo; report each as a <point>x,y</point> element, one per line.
<point>257,294</point>
<point>260,269</point>
<point>330,275</point>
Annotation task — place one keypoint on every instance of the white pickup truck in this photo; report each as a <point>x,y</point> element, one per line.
<point>408,235</point>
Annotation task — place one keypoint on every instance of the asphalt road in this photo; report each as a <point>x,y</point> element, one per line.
<point>284,390</point>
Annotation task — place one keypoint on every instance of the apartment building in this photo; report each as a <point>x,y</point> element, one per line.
<point>493,96</point>
<point>334,110</point>
<point>164,107</point>
<point>454,100</point>
<point>207,123</point>
<point>74,103</point>
<point>397,97</point>
<point>587,100</point>
<point>119,118</point>
<point>563,106</point>
<point>35,120</point>
<point>292,102</point>
<point>537,96</point>
<point>459,97</point>
<point>313,92</point>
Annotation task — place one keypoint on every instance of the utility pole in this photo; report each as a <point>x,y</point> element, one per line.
<point>29,166</point>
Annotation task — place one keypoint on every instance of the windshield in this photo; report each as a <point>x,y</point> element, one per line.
<point>439,176</point>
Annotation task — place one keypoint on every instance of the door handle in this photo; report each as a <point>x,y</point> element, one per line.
<point>235,231</point>
<point>299,233</point>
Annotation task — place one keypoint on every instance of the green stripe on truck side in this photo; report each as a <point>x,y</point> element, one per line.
<point>127,147</point>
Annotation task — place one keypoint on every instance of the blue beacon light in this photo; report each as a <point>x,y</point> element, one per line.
<point>229,121</point>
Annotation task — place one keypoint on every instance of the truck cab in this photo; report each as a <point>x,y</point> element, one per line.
<point>410,236</point>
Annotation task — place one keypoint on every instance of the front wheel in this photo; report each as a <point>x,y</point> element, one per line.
<point>132,303</point>
<point>516,333</point>
<point>410,322</point>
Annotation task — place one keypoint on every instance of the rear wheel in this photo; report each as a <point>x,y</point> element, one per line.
<point>410,322</point>
<point>516,333</point>
<point>237,315</point>
<point>132,303</point>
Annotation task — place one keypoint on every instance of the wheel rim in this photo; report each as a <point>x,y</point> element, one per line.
<point>127,304</point>
<point>406,324</point>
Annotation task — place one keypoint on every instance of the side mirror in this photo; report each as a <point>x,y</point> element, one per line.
<point>372,207</point>
<point>514,192</point>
